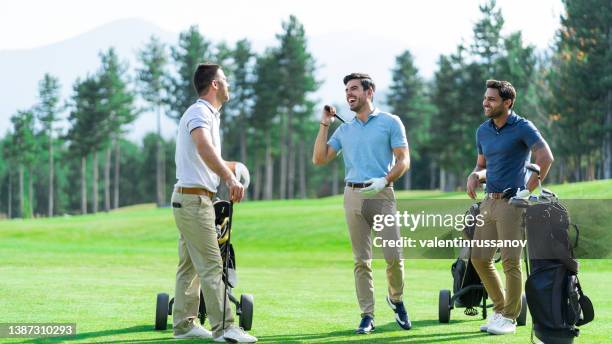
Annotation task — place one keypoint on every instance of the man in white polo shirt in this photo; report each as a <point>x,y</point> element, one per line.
<point>199,169</point>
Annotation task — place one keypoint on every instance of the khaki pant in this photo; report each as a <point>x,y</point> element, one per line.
<point>359,211</point>
<point>502,221</point>
<point>200,265</point>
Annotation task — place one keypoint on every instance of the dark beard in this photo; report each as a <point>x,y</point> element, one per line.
<point>496,113</point>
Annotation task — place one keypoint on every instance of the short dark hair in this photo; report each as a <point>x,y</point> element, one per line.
<point>203,76</point>
<point>366,80</point>
<point>505,89</point>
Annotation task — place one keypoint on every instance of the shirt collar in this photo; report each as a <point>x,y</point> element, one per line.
<point>209,105</point>
<point>374,113</point>
<point>512,118</point>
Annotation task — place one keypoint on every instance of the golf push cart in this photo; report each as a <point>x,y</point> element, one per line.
<point>244,306</point>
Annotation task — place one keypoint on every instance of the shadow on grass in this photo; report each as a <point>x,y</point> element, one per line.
<point>96,336</point>
<point>338,337</point>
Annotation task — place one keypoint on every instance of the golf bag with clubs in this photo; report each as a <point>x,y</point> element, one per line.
<point>244,306</point>
<point>555,298</point>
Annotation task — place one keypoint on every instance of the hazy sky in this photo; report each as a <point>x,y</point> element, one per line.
<point>428,27</point>
<point>443,23</point>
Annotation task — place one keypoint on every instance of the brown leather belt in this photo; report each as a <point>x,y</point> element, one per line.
<point>495,195</point>
<point>195,191</point>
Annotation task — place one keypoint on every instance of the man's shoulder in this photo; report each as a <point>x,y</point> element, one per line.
<point>390,118</point>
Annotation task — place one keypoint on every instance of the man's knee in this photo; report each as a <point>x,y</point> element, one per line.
<point>511,265</point>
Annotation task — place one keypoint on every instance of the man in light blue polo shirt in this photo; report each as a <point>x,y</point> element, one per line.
<point>375,153</point>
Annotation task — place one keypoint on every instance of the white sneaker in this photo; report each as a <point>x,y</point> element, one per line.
<point>503,325</point>
<point>483,328</point>
<point>195,332</point>
<point>236,335</point>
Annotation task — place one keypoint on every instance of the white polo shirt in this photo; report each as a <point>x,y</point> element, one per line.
<point>191,171</point>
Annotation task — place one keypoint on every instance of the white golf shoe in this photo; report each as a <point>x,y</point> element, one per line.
<point>236,335</point>
<point>483,328</point>
<point>502,326</point>
<point>195,332</point>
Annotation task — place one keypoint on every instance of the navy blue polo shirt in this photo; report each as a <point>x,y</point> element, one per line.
<point>507,150</point>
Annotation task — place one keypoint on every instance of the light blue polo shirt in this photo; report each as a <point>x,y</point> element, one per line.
<point>507,150</point>
<point>367,148</point>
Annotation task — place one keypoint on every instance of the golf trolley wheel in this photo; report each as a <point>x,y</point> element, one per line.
<point>522,318</point>
<point>246,311</point>
<point>444,306</point>
<point>161,312</point>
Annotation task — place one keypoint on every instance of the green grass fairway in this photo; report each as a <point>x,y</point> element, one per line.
<point>104,271</point>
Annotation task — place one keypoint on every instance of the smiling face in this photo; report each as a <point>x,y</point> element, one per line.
<point>356,96</point>
<point>493,104</point>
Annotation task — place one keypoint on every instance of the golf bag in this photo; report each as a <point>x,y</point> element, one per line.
<point>555,298</point>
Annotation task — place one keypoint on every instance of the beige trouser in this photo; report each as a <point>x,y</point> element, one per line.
<point>199,256</point>
<point>502,221</point>
<point>359,211</point>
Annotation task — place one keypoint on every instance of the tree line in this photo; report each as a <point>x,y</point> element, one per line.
<point>272,119</point>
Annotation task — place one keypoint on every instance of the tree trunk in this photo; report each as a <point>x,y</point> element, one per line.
<point>257,185</point>
<point>30,193</point>
<point>335,178</point>
<point>269,168</point>
<point>432,175</point>
<point>291,159</point>
<point>107,184</point>
<point>21,200</point>
<point>408,180</point>
<point>160,175</point>
<point>302,166</point>
<point>283,162</point>
<point>442,179</point>
<point>83,185</point>
<point>607,141</point>
<point>95,182</point>
<point>116,176</point>
<point>10,195</point>
<point>51,177</point>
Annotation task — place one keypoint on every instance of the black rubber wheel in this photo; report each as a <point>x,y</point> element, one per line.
<point>161,312</point>
<point>444,306</point>
<point>246,311</point>
<point>522,318</point>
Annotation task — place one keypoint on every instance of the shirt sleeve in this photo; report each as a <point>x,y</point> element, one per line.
<point>530,134</point>
<point>478,145</point>
<point>199,120</point>
<point>398,134</point>
<point>335,141</point>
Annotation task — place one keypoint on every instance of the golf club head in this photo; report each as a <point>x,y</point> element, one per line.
<point>548,193</point>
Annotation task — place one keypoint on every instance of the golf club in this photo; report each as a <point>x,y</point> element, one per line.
<point>328,108</point>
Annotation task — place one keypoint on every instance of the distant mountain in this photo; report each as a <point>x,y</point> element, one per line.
<point>337,54</point>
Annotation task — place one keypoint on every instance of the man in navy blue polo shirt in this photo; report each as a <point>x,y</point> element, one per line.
<point>505,143</point>
<point>375,152</point>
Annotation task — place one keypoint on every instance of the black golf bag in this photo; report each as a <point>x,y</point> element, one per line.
<point>554,295</point>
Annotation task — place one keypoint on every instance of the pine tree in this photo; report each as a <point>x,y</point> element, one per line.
<point>117,109</point>
<point>192,50</point>
<point>151,76</point>
<point>47,111</point>
<point>24,144</point>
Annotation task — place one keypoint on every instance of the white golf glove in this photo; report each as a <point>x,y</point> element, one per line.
<point>377,185</point>
<point>242,174</point>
